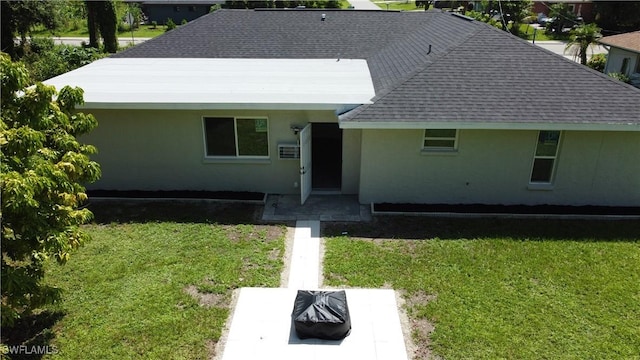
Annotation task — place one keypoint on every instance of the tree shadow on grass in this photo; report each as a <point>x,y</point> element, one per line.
<point>417,227</point>
<point>30,337</point>
<point>181,211</point>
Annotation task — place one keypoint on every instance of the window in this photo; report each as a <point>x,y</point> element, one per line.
<point>236,137</point>
<point>176,9</point>
<point>440,140</point>
<point>192,9</point>
<point>545,156</point>
<point>625,65</point>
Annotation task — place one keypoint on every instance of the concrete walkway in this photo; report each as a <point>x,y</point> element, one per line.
<point>261,326</point>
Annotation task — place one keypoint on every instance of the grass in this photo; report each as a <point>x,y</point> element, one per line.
<point>144,31</point>
<point>153,288</point>
<point>502,288</point>
<point>527,31</point>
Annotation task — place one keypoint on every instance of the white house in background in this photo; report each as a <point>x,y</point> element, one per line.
<point>416,107</point>
<point>624,55</point>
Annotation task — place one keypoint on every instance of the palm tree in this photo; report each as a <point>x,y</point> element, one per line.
<point>583,37</point>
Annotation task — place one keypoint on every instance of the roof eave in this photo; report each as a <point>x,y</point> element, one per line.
<point>631,126</point>
<point>213,106</point>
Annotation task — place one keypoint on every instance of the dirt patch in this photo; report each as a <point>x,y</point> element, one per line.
<point>107,211</point>
<point>417,331</point>
<point>206,299</point>
<point>507,209</point>
<point>211,349</point>
<point>264,233</point>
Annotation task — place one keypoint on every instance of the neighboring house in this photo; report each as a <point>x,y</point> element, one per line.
<point>581,8</point>
<point>415,107</point>
<point>624,55</point>
<point>177,10</point>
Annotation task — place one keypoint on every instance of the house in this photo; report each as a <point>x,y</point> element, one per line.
<point>397,107</point>
<point>177,10</point>
<point>624,55</point>
<point>581,8</point>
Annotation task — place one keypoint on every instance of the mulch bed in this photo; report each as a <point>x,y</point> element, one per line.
<point>507,209</point>
<point>178,194</point>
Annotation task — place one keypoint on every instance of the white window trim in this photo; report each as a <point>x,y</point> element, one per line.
<point>544,185</point>
<point>439,150</point>
<point>237,157</point>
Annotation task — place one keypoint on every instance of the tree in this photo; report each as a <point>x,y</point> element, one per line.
<point>581,39</point>
<point>617,16</point>
<point>102,21</point>
<point>501,13</point>
<point>514,11</point>
<point>92,23</point>
<point>19,17</point>
<point>562,17</point>
<point>43,167</point>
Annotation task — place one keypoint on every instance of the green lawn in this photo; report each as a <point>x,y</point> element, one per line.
<point>158,289</point>
<point>503,289</point>
<point>144,31</point>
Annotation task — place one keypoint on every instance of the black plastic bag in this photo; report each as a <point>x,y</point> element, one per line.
<point>321,314</point>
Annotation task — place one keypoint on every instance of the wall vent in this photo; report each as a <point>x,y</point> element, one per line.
<point>288,151</point>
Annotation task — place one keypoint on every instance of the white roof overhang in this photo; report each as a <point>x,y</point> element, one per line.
<point>197,84</point>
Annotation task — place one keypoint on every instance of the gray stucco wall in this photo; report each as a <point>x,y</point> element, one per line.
<point>616,57</point>
<point>494,166</point>
<point>164,150</point>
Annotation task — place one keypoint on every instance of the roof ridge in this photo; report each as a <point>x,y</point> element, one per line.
<point>388,90</point>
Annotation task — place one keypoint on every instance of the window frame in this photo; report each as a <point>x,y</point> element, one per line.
<point>440,149</point>
<point>554,165</point>
<point>235,139</point>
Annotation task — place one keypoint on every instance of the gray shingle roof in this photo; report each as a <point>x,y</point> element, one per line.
<point>426,66</point>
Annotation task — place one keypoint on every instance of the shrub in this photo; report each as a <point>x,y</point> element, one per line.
<point>619,76</point>
<point>170,24</point>
<point>183,22</point>
<point>154,24</point>
<point>45,60</point>
<point>597,62</point>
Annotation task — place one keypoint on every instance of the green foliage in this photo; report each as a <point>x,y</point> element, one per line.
<point>183,22</point>
<point>43,168</point>
<point>597,62</point>
<point>617,16</point>
<point>506,15</point>
<point>170,24</point>
<point>563,18</point>
<point>154,24</point>
<point>619,76</point>
<point>484,17</point>
<point>19,17</point>
<point>45,60</point>
<point>581,39</point>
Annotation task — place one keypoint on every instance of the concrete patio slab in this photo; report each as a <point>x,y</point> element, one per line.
<point>261,328</point>
<point>317,207</point>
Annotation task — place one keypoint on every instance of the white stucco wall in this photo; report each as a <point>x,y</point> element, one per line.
<point>615,58</point>
<point>164,150</point>
<point>494,166</point>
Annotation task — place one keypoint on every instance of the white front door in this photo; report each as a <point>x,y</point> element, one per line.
<point>305,163</point>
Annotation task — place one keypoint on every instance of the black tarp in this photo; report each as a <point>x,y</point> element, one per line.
<point>321,314</point>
